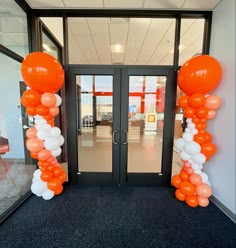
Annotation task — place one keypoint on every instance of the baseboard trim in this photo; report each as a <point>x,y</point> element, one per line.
<point>223,208</point>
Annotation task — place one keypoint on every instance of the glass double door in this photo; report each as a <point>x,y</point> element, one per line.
<point>120,125</point>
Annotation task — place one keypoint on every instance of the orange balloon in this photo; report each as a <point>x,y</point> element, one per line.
<point>58,190</point>
<point>197,100</point>
<point>54,184</point>
<point>42,110</point>
<point>192,201</point>
<point>42,72</point>
<point>204,190</point>
<point>211,114</point>
<point>195,179</point>
<point>183,101</point>
<point>31,98</point>
<point>199,138</point>
<point>46,176</point>
<point>48,99</point>
<point>31,132</point>
<point>176,181</point>
<point>63,177</point>
<point>201,112</point>
<point>200,74</point>
<point>31,110</point>
<point>183,175</point>
<point>203,201</point>
<point>189,112</point>
<point>34,155</point>
<point>34,145</point>
<point>187,188</point>
<point>54,111</point>
<point>208,149</point>
<point>180,195</point>
<point>213,102</point>
<point>44,155</point>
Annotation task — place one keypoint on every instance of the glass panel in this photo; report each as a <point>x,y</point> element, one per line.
<point>191,39</point>
<point>13,27</point>
<point>146,121</point>
<point>127,41</point>
<point>95,139</point>
<point>49,47</point>
<point>15,174</point>
<point>178,132</point>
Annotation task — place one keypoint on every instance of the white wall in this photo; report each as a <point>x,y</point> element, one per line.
<point>10,111</point>
<point>221,168</point>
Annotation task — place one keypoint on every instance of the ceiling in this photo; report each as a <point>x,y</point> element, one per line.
<point>126,4</point>
<point>145,41</point>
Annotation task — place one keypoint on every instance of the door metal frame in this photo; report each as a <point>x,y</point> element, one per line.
<point>120,104</point>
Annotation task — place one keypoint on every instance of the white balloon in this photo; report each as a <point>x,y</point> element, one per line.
<point>187,130</point>
<point>42,134</point>
<point>185,156</point>
<point>191,125</point>
<point>198,172</point>
<point>38,187</point>
<point>192,148</point>
<point>187,137</point>
<point>196,166</point>
<point>48,194</point>
<point>47,126</point>
<point>204,177</point>
<point>37,173</point>
<point>59,100</point>
<point>194,131</point>
<point>55,132</point>
<point>189,120</point>
<point>199,158</point>
<point>56,153</point>
<point>61,140</point>
<point>51,143</point>
<point>39,126</point>
<point>179,144</point>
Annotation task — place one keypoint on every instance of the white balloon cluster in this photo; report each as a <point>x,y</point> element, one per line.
<point>51,136</point>
<point>190,150</point>
<point>39,187</point>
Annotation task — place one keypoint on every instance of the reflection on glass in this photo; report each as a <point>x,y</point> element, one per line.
<point>13,33</point>
<point>146,121</point>
<point>191,39</point>
<point>178,132</point>
<point>49,47</point>
<point>95,108</point>
<point>15,174</point>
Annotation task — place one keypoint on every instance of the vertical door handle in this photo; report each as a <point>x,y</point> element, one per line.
<point>113,136</point>
<point>126,137</point>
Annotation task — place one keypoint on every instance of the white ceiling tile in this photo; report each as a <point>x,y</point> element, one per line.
<point>45,3</point>
<point>201,4</point>
<point>123,4</point>
<point>118,33</point>
<point>158,34</point>
<point>83,3</point>
<point>97,20</point>
<point>163,4</point>
<point>74,20</point>
<point>80,29</point>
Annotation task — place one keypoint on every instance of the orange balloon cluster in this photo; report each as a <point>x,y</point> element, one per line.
<point>197,77</point>
<point>45,76</point>
<point>44,105</point>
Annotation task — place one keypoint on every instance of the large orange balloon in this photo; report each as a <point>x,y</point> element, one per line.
<point>42,72</point>
<point>200,74</point>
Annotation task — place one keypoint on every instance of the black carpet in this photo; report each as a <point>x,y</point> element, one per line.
<point>110,217</point>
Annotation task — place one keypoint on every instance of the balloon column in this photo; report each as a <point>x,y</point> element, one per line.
<point>44,76</point>
<point>197,77</point>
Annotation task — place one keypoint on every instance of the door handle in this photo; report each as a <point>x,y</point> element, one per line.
<point>113,136</point>
<point>126,136</point>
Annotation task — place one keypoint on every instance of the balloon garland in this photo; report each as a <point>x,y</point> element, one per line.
<point>197,77</point>
<point>44,76</point>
